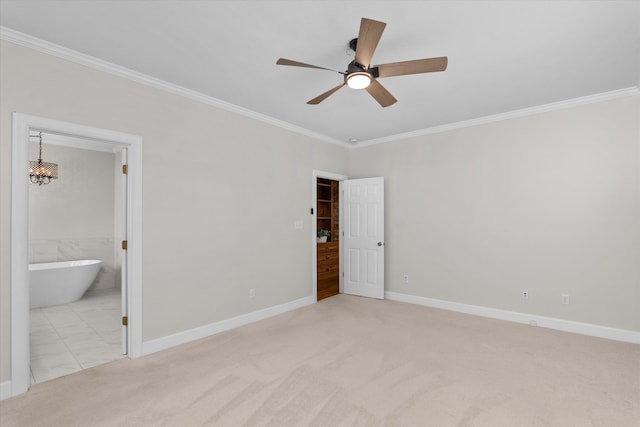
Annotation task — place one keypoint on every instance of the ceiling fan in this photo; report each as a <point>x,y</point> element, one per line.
<point>361,75</point>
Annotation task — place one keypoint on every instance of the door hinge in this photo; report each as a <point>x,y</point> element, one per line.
<point>124,245</point>
<point>125,321</point>
<point>125,169</point>
<point>311,211</point>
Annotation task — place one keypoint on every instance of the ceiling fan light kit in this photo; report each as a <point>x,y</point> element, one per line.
<point>358,80</point>
<point>361,75</point>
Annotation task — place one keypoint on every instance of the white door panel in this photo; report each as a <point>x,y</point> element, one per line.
<point>364,237</point>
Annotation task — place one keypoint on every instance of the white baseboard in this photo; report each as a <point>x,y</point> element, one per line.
<point>5,390</point>
<point>169,341</point>
<point>513,316</point>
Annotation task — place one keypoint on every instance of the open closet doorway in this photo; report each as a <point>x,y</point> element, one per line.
<point>328,238</point>
<point>360,236</point>
<point>327,280</point>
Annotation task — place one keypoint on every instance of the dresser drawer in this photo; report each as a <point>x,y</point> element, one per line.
<point>327,270</point>
<point>331,257</point>
<point>327,247</point>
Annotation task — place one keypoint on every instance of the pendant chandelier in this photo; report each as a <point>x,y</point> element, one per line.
<point>41,173</point>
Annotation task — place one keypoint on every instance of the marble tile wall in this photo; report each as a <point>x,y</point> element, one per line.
<point>102,248</point>
<point>75,217</point>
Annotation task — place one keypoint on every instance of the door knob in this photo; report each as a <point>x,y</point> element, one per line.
<point>380,243</point>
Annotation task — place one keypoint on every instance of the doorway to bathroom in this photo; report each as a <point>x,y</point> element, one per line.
<point>75,221</point>
<point>122,306</point>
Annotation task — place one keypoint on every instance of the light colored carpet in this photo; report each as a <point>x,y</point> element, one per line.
<point>350,361</point>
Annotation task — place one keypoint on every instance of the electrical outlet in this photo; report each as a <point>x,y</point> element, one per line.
<point>565,299</point>
<point>252,293</point>
<point>405,278</point>
<point>525,294</point>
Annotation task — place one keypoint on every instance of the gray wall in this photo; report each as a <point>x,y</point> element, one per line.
<point>549,203</point>
<point>73,217</point>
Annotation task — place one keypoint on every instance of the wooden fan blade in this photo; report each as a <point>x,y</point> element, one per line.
<point>368,38</point>
<point>283,61</point>
<point>417,66</point>
<point>380,94</point>
<point>320,98</point>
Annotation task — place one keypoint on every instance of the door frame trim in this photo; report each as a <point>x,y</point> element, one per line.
<point>315,174</point>
<point>22,124</point>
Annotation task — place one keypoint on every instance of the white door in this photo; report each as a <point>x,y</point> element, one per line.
<point>363,240</point>
<point>124,200</point>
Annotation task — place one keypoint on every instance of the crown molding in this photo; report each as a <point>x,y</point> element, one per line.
<point>555,106</point>
<point>98,64</point>
<point>107,67</point>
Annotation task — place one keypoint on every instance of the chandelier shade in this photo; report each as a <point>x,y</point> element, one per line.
<point>41,173</point>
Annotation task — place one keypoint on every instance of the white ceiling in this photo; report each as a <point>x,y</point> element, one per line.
<point>503,55</point>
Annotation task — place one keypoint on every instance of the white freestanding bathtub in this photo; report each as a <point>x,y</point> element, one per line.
<point>53,283</point>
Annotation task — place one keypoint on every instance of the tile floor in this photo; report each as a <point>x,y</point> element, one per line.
<point>70,337</point>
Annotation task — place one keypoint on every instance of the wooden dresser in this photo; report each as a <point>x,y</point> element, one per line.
<point>328,270</point>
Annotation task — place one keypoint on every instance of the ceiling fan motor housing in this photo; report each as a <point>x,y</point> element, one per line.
<point>354,67</point>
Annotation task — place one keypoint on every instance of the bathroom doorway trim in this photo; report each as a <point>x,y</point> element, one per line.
<point>92,137</point>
